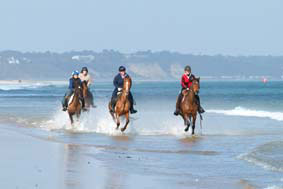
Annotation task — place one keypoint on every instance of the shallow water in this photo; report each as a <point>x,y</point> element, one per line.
<point>239,145</point>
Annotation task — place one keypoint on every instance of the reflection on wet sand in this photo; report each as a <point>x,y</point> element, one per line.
<point>72,162</point>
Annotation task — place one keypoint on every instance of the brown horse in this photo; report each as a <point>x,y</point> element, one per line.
<point>75,106</point>
<point>189,106</point>
<point>87,95</point>
<point>122,105</point>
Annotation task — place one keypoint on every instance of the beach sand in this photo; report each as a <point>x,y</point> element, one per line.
<point>33,159</point>
<point>30,162</point>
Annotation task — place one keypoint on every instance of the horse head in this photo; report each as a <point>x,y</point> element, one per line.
<point>84,88</point>
<point>195,85</point>
<point>127,85</point>
<point>78,91</point>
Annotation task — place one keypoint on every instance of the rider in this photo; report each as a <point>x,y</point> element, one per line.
<point>186,82</point>
<point>118,83</point>
<point>85,76</point>
<point>74,82</point>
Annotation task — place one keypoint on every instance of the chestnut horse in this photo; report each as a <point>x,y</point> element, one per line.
<point>87,95</point>
<point>75,106</point>
<point>189,106</point>
<point>122,105</point>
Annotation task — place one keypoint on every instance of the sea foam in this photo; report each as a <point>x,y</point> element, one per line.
<point>240,111</point>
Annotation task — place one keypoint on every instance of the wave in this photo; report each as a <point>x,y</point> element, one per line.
<point>240,111</point>
<point>9,86</point>
<point>269,156</point>
<point>274,187</point>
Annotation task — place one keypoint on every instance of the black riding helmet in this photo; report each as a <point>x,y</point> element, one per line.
<point>84,69</point>
<point>122,69</point>
<point>188,68</point>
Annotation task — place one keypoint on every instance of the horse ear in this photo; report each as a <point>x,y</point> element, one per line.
<point>198,78</point>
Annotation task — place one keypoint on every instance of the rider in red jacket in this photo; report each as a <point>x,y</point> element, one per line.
<point>186,82</point>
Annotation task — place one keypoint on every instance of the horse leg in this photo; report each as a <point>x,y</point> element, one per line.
<point>117,121</point>
<point>127,122</point>
<point>78,114</point>
<point>187,122</point>
<point>194,123</point>
<point>71,119</point>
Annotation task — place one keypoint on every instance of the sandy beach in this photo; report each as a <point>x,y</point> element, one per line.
<point>37,160</point>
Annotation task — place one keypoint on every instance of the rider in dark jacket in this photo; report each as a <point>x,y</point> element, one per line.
<point>118,82</point>
<point>74,82</point>
<point>186,82</point>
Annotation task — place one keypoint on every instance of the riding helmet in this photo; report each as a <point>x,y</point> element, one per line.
<point>84,69</point>
<point>122,69</point>
<point>75,73</point>
<point>188,68</point>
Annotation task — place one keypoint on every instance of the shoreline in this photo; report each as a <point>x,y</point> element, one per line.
<point>65,82</point>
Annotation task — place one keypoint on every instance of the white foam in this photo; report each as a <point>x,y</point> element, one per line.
<point>274,187</point>
<point>9,87</point>
<point>239,111</point>
<point>15,85</point>
<point>99,120</point>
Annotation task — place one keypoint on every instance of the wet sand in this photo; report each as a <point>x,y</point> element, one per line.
<point>35,159</point>
<point>29,162</point>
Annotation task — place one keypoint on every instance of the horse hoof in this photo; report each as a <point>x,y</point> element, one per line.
<point>123,129</point>
<point>186,129</point>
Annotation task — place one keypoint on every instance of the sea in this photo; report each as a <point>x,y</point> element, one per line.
<point>238,143</point>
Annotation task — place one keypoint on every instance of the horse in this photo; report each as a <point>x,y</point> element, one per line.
<point>189,106</point>
<point>122,105</point>
<point>87,95</point>
<point>75,105</point>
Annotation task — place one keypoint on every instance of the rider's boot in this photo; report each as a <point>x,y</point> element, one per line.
<point>200,109</point>
<point>113,103</point>
<point>132,110</point>
<point>65,104</point>
<point>131,99</point>
<point>177,111</point>
<point>83,104</point>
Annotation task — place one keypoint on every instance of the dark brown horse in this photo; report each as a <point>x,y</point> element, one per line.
<point>87,95</point>
<point>122,105</point>
<point>189,106</point>
<point>75,105</point>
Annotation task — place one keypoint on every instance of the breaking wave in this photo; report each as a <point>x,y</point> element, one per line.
<point>27,85</point>
<point>239,111</point>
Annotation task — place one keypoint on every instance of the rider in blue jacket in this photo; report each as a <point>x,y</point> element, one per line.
<point>118,82</point>
<point>74,82</point>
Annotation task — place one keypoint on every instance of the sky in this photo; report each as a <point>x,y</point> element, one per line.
<point>228,27</point>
